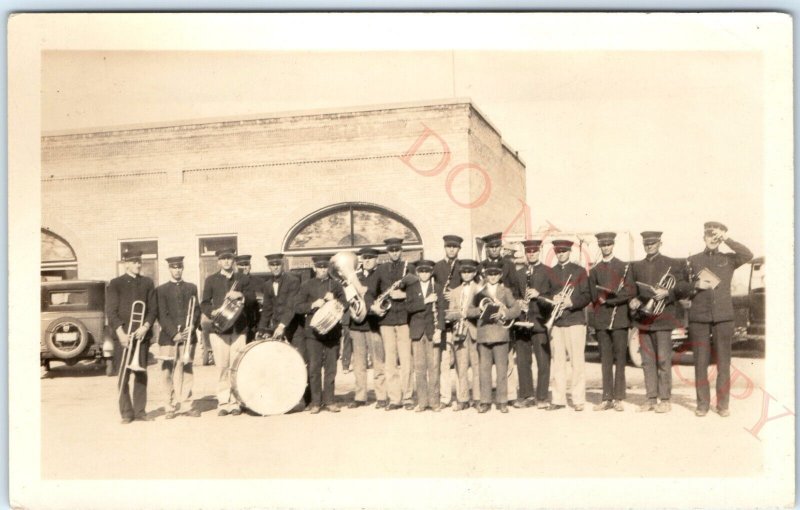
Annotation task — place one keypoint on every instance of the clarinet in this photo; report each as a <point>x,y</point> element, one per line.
<point>619,288</point>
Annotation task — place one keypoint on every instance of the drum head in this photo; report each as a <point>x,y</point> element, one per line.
<point>269,377</point>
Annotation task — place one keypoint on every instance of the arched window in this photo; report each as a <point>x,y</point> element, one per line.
<point>58,258</point>
<point>349,226</point>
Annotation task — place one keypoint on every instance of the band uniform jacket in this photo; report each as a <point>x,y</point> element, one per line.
<point>278,309</point>
<point>608,275</point>
<point>216,287</point>
<point>533,276</point>
<point>442,270</point>
<point>253,314</point>
<point>509,275</point>
<point>716,305</point>
<point>420,314</point>
<point>386,274</point>
<point>493,332</point>
<point>370,323</point>
<point>121,293</point>
<point>314,289</point>
<point>456,308</point>
<point>581,294</point>
<point>173,305</point>
<point>650,271</point>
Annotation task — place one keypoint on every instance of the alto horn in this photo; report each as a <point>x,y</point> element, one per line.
<point>343,268</point>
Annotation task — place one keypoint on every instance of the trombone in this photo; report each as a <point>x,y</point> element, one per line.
<point>188,330</point>
<point>131,353</point>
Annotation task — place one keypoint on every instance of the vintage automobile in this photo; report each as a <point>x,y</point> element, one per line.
<point>73,323</point>
<point>748,302</point>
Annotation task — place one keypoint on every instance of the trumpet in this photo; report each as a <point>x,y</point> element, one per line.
<point>655,307</point>
<point>619,288</point>
<point>131,353</point>
<point>558,303</point>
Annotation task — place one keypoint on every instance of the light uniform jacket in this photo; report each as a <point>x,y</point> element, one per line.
<point>493,332</point>
<point>457,307</point>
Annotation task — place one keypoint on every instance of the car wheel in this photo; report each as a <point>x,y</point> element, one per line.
<point>634,348</point>
<point>66,338</point>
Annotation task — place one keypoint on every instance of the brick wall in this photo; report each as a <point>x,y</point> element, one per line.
<point>257,179</point>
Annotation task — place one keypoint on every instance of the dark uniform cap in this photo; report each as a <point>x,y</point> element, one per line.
<point>532,245</point>
<point>560,245</point>
<point>175,261</point>
<point>495,239</point>
<point>424,265</point>
<point>243,260</point>
<point>393,242</point>
<point>493,267</point>
<point>368,253</point>
<point>225,253</point>
<point>605,238</point>
<point>451,240</point>
<point>321,260</point>
<point>467,265</point>
<point>132,255</point>
<point>714,224</point>
<point>651,236</point>
<point>274,257</point>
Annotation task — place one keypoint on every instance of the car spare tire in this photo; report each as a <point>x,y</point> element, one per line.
<point>66,338</point>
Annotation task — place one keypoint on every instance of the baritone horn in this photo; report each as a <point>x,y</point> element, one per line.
<point>343,268</point>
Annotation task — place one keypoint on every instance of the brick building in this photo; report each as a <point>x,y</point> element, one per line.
<point>300,183</point>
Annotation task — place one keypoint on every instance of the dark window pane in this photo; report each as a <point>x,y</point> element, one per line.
<point>210,245</point>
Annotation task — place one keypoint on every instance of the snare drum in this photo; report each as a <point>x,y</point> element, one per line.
<point>269,377</point>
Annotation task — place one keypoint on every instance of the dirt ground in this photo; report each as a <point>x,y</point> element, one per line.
<point>82,437</point>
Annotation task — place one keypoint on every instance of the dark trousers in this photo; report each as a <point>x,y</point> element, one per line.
<point>135,408</point>
<point>497,353</point>
<point>699,337</point>
<point>533,343</point>
<point>524,354</point>
<point>657,363</point>
<point>613,354</point>
<point>298,341</point>
<point>347,348</point>
<point>427,358</point>
<point>323,353</point>
<point>541,349</point>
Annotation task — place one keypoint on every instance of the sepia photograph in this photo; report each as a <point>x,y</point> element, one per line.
<point>401,260</point>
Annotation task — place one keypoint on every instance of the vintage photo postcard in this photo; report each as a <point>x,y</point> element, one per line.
<point>409,260</point>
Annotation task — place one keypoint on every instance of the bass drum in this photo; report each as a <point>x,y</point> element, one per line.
<point>269,377</point>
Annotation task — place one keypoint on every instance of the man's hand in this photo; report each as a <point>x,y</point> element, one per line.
<point>376,309</point>
<point>437,336</point>
<point>140,332</point>
<point>234,294</point>
<point>447,294</point>
<point>397,294</point>
<point>328,296</point>
<point>179,337</point>
<point>531,294</point>
<point>261,334</point>
<point>431,298</point>
<point>660,294</point>
<point>634,303</point>
<point>317,303</point>
<point>279,331</point>
<point>123,337</point>
<point>567,302</point>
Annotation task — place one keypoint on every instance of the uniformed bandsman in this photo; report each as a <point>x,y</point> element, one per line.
<point>278,318</point>
<point>425,305</point>
<point>120,296</point>
<point>711,313</point>
<point>569,331</point>
<point>492,337</point>
<point>494,253</point>
<point>227,344</point>
<point>367,341</point>
<point>534,282</point>
<point>394,325</point>
<point>462,335</point>
<point>612,286</point>
<point>173,306</point>
<point>256,283</point>
<point>322,349</point>
<point>447,274</point>
<point>655,332</point>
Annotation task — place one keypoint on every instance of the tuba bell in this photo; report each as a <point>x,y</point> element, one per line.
<point>343,268</point>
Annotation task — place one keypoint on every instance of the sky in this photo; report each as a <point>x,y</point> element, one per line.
<point>622,140</point>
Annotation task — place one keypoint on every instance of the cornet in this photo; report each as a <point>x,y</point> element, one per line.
<point>558,303</point>
<point>655,307</point>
